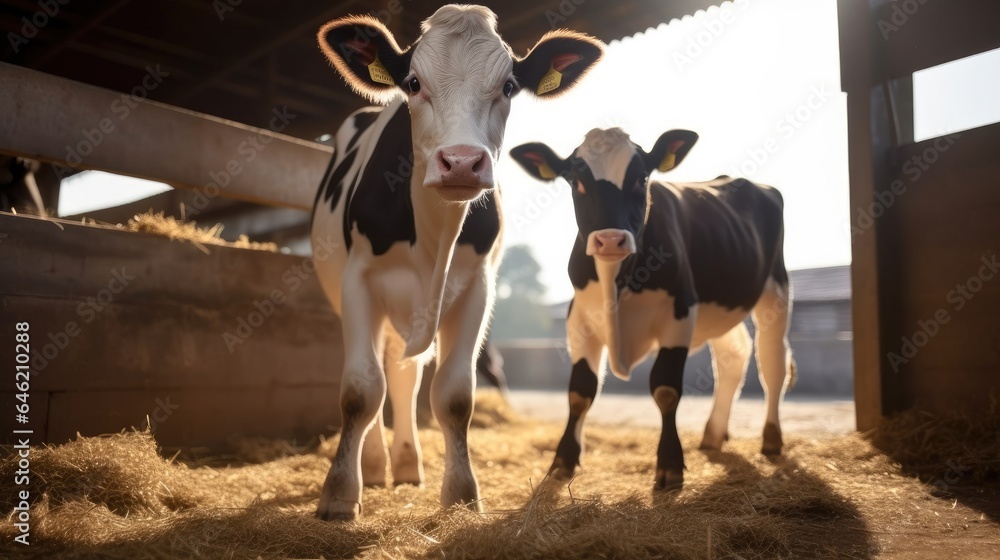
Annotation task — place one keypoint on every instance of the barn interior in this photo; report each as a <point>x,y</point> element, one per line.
<point>925,404</point>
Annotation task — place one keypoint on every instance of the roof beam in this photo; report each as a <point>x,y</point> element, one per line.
<point>308,26</point>
<point>76,32</point>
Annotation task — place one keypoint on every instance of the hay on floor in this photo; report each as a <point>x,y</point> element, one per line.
<point>945,444</point>
<point>115,497</point>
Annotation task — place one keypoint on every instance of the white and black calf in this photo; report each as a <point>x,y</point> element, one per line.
<point>407,225</point>
<point>661,268</point>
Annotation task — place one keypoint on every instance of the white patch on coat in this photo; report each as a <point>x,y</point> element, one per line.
<point>608,153</point>
<point>645,320</point>
<point>714,321</point>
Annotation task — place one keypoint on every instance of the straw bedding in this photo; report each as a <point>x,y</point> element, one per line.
<point>168,226</point>
<point>117,497</point>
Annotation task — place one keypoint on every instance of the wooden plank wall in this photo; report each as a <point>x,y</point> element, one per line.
<point>127,325</point>
<point>937,230</point>
<point>948,250</point>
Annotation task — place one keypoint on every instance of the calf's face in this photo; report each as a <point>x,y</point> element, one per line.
<point>458,79</point>
<point>609,175</point>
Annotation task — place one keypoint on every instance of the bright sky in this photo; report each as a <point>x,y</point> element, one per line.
<point>93,190</point>
<point>759,80</point>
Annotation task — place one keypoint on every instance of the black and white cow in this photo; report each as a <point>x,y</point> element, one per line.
<point>661,268</point>
<point>407,225</point>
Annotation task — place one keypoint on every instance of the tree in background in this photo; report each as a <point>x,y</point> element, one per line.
<point>520,311</point>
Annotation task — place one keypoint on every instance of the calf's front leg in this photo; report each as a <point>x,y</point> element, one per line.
<point>362,393</point>
<point>666,382</point>
<point>454,385</point>
<point>584,385</point>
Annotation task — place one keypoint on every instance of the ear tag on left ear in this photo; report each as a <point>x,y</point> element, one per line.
<point>546,171</point>
<point>379,73</point>
<point>550,81</point>
<point>668,162</point>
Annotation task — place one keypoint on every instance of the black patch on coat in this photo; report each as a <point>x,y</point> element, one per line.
<point>482,225</point>
<point>361,123</point>
<point>379,207</point>
<point>332,186</point>
<point>668,369</point>
<point>723,244</point>
<point>583,380</point>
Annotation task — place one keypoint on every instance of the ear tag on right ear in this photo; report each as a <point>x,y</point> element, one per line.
<point>379,73</point>
<point>668,162</point>
<point>550,81</point>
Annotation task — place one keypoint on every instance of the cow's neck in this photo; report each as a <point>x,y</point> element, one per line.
<point>438,225</point>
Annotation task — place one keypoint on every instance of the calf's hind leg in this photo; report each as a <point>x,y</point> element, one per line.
<point>774,357</point>
<point>730,358</point>
<point>403,377</point>
<point>373,459</point>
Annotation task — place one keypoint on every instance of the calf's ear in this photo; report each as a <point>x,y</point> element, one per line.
<point>365,53</point>
<point>670,149</point>
<point>557,62</point>
<point>539,161</point>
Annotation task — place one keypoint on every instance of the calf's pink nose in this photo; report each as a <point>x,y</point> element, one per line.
<point>610,240</point>
<point>464,165</point>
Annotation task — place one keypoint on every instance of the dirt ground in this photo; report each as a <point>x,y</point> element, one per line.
<point>829,496</point>
<point>804,416</point>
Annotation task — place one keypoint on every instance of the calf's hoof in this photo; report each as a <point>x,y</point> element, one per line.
<point>560,471</point>
<point>772,440</point>
<point>406,468</point>
<point>461,490</point>
<point>373,477</point>
<point>668,479</point>
<point>373,469</point>
<point>712,442</point>
<point>338,510</point>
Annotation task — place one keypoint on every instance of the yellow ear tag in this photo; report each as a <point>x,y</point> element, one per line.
<point>379,73</point>
<point>546,172</point>
<point>668,162</point>
<point>550,81</point>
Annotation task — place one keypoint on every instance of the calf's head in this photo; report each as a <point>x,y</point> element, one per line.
<point>609,175</point>
<point>458,79</point>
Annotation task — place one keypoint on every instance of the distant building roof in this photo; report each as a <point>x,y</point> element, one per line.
<point>812,284</point>
<point>821,284</point>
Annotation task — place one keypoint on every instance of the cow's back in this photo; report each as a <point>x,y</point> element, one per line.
<point>732,232</point>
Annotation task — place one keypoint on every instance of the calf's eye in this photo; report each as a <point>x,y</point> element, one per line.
<point>414,85</point>
<point>508,89</point>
